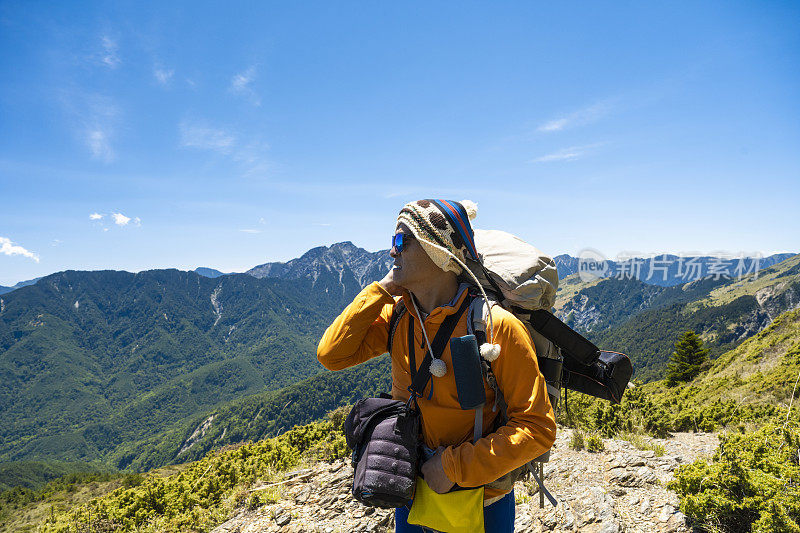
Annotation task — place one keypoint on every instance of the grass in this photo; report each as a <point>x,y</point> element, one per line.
<point>260,497</point>
<point>641,442</point>
<point>28,516</point>
<point>577,442</point>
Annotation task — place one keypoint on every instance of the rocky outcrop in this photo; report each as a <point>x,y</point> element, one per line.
<point>340,258</point>
<point>775,299</point>
<point>582,314</point>
<point>619,489</point>
<point>196,435</point>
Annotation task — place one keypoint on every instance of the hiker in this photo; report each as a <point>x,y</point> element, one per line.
<point>432,240</point>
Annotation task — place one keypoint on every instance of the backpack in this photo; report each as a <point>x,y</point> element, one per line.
<point>524,281</point>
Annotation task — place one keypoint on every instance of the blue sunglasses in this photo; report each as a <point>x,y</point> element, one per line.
<point>399,240</point>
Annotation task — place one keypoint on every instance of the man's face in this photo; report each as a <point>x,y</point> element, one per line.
<point>412,267</point>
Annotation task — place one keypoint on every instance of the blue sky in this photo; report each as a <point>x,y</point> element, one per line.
<point>137,135</point>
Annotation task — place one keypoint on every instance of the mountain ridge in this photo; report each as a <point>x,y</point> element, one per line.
<point>369,266</point>
<point>365,266</point>
<point>109,358</point>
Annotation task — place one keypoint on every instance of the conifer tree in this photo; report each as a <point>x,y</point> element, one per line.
<point>687,359</point>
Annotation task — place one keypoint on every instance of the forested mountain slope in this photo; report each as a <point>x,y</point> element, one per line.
<point>89,360</point>
<point>644,321</point>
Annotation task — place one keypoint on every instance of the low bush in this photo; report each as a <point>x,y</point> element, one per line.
<point>657,414</point>
<point>576,442</point>
<point>205,492</point>
<point>594,443</point>
<point>752,483</point>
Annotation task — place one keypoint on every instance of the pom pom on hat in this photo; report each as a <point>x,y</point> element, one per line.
<point>471,208</point>
<point>490,352</point>
<point>438,368</point>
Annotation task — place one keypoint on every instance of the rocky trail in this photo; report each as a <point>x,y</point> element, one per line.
<point>620,489</point>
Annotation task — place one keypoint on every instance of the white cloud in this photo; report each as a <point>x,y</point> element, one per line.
<point>9,248</point>
<point>241,84</point>
<point>96,216</point>
<point>98,142</point>
<point>206,138</point>
<point>122,220</point>
<point>251,157</point>
<point>109,55</point>
<point>250,230</point>
<point>95,118</point>
<point>577,118</point>
<point>567,154</point>
<point>162,75</point>
<point>241,81</point>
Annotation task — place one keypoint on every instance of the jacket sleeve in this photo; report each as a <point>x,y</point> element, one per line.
<point>360,332</point>
<point>531,426</point>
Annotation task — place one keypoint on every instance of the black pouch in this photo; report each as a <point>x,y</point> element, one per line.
<point>606,378</point>
<point>384,434</point>
<point>384,437</point>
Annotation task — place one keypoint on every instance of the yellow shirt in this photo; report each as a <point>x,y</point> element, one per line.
<point>362,331</point>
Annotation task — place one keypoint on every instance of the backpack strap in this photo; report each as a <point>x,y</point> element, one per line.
<point>419,380</point>
<point>477,327</point>
<point>477,324</point>
<point>397,313</point>
<point>563,336</point>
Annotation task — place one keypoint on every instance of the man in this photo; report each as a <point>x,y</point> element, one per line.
<point>433,239</point>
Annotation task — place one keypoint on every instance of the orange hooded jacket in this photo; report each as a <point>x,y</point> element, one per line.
<point>362,332</point>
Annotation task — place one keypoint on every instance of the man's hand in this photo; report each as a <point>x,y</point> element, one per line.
<point>433,473</point>
<point>391,287</point>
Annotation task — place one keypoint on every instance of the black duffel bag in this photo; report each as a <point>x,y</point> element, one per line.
<point>605,378</point>
<point>384,436</point>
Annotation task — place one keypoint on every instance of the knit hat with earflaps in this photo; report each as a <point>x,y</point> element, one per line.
<point>444,223</point>
<point>443,230</point>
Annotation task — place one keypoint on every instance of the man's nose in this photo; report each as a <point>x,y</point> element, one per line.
<point>393,251</point>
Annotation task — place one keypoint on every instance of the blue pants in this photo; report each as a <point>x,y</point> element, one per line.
<point>497,518</point>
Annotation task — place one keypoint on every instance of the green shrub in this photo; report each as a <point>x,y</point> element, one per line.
<point>203,493</point>
<point>594,443</point>
<point>751,484</point>
<point>636,413</point>
<point>576,442</point>
<point>656,413</point>
<point>132,480</point>
<point>254,502</point>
